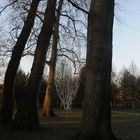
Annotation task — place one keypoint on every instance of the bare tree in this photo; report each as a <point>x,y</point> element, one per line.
<point>66,84</point>
<point>7,107</point>
<point>58,51</point>
<point>27,116</point>
<point>48,101</point>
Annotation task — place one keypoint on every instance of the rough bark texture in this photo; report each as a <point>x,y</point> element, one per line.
<point>48,102</point>
<point>7,107</point>
<point>96,119</point>
<point>27,117</point>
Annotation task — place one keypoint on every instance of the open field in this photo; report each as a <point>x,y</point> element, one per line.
<point>126,124</point>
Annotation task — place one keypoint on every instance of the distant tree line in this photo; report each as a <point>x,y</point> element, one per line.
<point>124,88</point>
<point>125,91</point>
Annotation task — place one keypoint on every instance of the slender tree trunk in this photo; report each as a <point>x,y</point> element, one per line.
<point>124,98</point>
<point>133,104</point>
<point>7,107</point>
<point>48,102</point>
<point>96,119</point>
<point>27,117</point>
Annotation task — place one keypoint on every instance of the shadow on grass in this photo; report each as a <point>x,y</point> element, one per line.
<point>125,124</point>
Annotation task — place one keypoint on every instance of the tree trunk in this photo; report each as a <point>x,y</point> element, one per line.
<point>48,102</point>
<point>27,117</point>
<point>96,119</point>
<point>124,97</point>
<point>133,104</point>
<point>7,107</point>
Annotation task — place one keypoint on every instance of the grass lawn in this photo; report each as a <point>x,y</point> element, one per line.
<point>125,123</point>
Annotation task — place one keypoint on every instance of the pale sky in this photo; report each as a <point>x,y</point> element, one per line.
<point>126,44</point>
<point>126,37</point>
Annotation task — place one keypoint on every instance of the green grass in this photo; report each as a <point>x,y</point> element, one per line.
<point>125,124</point>
<point>119,116</point>
<point>64,117</point>
<point>74,116</point>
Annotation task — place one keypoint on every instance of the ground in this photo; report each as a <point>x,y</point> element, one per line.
<point>125,124</point>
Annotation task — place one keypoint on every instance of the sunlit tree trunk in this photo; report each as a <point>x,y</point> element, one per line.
<point>7,107</point>
<point>27,117</point>
<point>47,110</point>
<point>96,119</point>
<point>48,101</point>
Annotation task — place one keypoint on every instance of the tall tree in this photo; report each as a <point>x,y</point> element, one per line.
<point>27,116</point>
<point>96,119</point>
<point>128,88</point>
<point>113,93</point>
<point>66,83</point>
<point>7,107</point>
<point>124,85</point>
<point>48,101</point>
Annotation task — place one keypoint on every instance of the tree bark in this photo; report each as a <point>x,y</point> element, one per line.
<point>7,107</point>
<point>27,117</point>
<point>96,119</point>
<point>47,110</point>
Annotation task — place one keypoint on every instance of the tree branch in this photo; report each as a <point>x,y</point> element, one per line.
<point>76,6</point>
<point>73,61</point>
<point>6,6</point>
<point>32,54</point>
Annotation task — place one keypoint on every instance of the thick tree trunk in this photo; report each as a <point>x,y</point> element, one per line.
<point>7,107</point>
<point>27,117</point>
<point>96,118</point>
<point>48,102</point>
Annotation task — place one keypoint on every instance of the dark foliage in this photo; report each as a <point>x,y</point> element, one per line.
<point>19,87</point>
<point>77,102</point>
